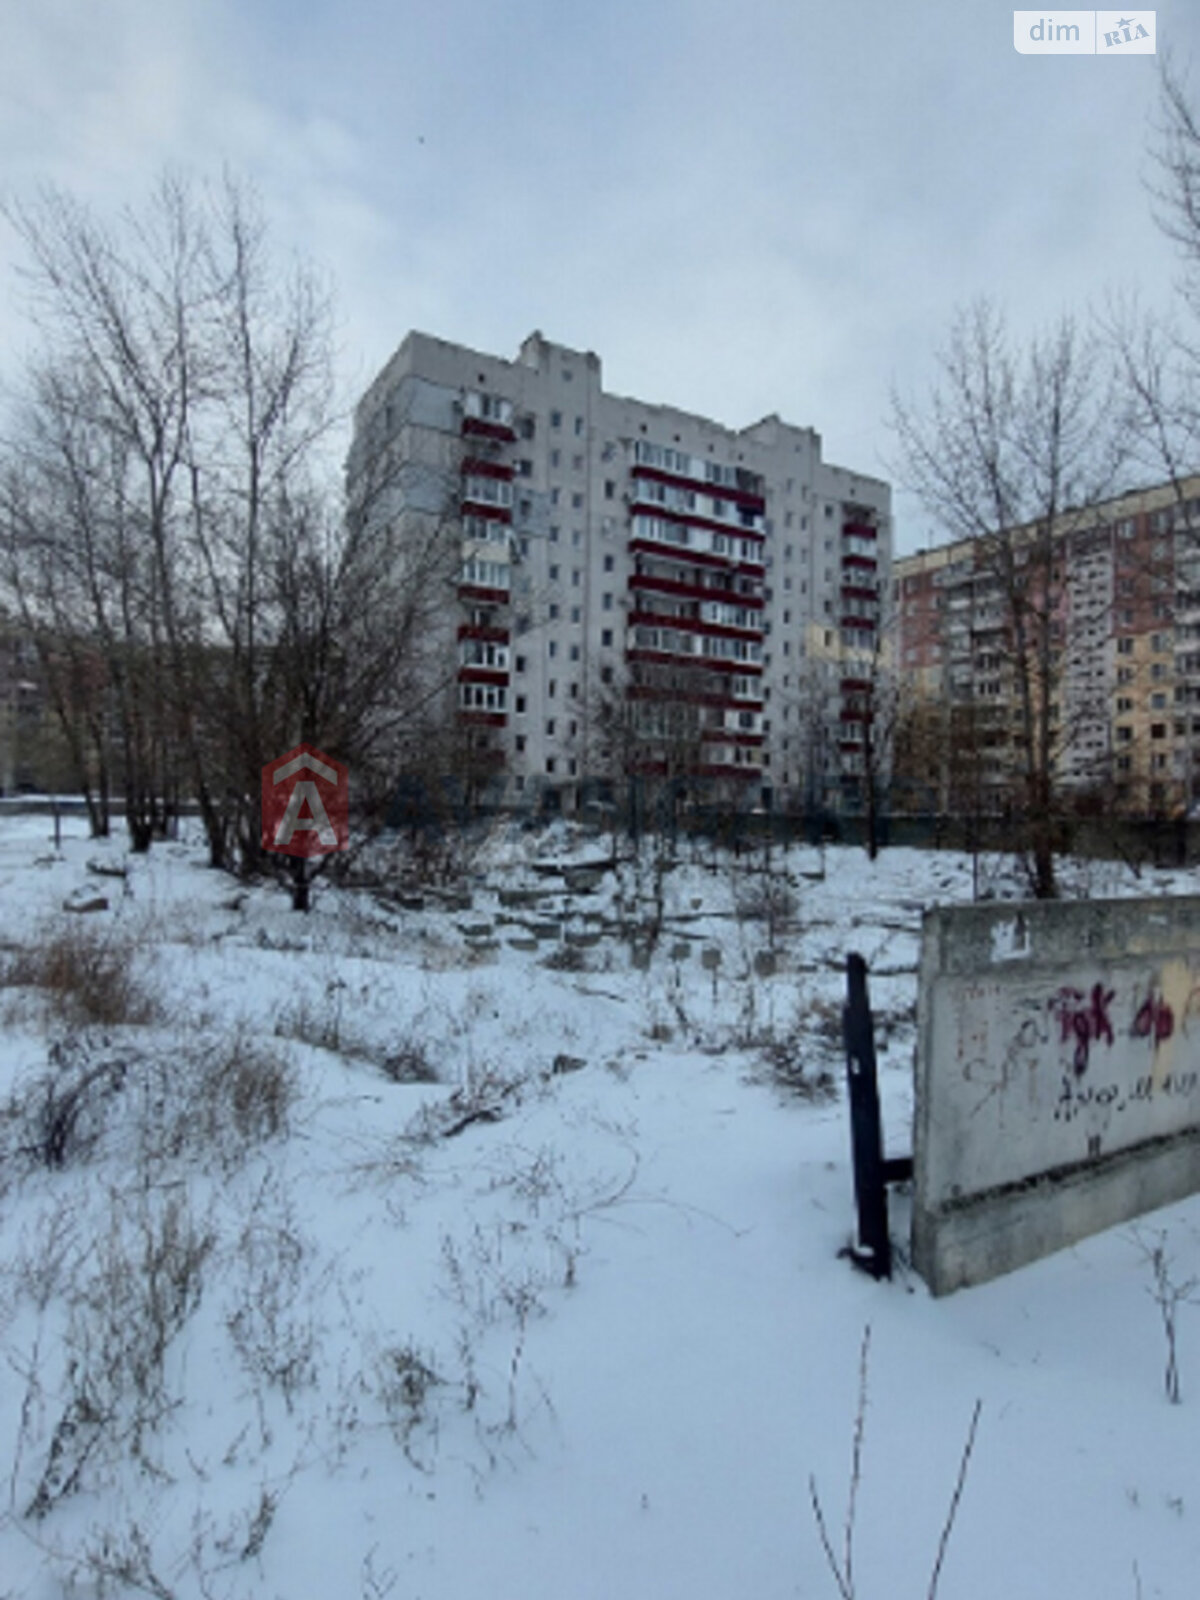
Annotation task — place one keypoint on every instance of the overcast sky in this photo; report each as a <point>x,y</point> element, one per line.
<point>768,205</point>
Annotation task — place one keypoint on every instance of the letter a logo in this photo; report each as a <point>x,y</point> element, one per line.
<point>305,803</point>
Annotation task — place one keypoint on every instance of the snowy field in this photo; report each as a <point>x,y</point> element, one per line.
<point>445,1251</point>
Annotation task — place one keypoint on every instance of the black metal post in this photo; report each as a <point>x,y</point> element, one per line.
<point>874,1250</point>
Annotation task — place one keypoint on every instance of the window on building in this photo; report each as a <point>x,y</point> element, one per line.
<point>578,427</point>
<point>556,419</point>
<point>550,728</point>
<point>520,705</point>
<point>576,502</point>
<point>519,742</point>
<point>551,764</point>
<point>556,458</point>
<point>553,574</point>
<point>606,637</point>
<point>608,563</point>
<point>606,600</point>
<point>610,489</point>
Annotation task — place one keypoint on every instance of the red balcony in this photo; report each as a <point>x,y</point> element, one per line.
<point>741,497</point>
<point>483,719</point>
<point>488,430</point>
<point>496,675</point>
<point>651,768</point>
<point>489,632</point>
<point>720,630</point>
<point>694,591</point>
<point>732,736</point>
<point>666,658</point>
<point>692,519</point>
<point>476,594</point>
<point>694,558</point>
<point>486,508</point>
<point>475,468</point>
<point>668,694</point>
<point>746,771</point>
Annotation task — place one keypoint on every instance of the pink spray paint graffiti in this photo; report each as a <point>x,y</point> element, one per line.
<point>1154,1019</point>
<point>1083,1018</point>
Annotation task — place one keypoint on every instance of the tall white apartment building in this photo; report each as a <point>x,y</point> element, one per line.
<point>635,588</point>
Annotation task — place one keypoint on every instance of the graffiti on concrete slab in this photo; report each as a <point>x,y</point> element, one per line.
<point>1084,1020</point>
<point>1066,1068</point>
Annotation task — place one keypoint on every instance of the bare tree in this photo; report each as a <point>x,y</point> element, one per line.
<point>1009,450</point>
<point>1158,354</point>
<point>876,704</point>
<point>172,515</point>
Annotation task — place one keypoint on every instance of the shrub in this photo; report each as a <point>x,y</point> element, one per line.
<point>149,1107</point>
<point>567,958</point>
<point>244,1088</point>
<point>784,1059</point>
<point>86,976</point>
<point>409,1063</point>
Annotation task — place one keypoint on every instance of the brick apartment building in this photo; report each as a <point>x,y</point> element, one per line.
<point>1122,603</point>
<point>626,574</point>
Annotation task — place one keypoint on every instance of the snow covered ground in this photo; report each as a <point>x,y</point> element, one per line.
<point>492,1250</point>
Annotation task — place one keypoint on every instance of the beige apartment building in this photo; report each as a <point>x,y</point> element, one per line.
<point>635,588</point>
<point>1119,601</point>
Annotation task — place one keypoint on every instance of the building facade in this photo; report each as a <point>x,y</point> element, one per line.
<point>635,588</point>
<point>1117,604</point>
